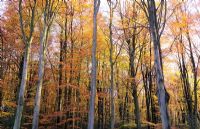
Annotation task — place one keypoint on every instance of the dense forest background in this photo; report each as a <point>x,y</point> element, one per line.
<point>102,64</point>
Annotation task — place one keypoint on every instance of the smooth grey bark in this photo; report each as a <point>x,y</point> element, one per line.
<point>43,41</point>
<point>156,30</point>
<point>49,14</point>
<point>27,41</point>
<point>112,6</point>
<point>22,90</point>
<point>112,89</point>
<point>162,94</point>
<point>93,74</point>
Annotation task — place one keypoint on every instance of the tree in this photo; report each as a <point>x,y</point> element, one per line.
<point>62,62</point>
<point>188,61</point>
<point>27,39</point>
<point>112,6</point>
<point>93,73</point>
<point>132,34</point>
<point>157,18</point>
<point>110,75</point>
<point>49,14</point>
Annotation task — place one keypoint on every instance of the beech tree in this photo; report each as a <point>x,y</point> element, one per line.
<point>156,16</point>
<point>112,6</point>
<point>94,63</point>
<point>188,58</point>
<point>27,39</point>
<point>79,64</point>
<point>49,14</point>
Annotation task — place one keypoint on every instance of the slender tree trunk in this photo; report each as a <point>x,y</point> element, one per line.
<point>112,98</point>
<point>65,61</point>
<point>27,41</point>
<point>192,117</point>
<point>22,88</point>
<point>194,71</point>
<point>60,79</point>
<point>112,70</point>
<point>163,96</point>
<point>146,75</point>
<point>71,77</point>
<point>132,49</point>
<point>43,42</point>
<point>93,74</point>
<point>147,93</point>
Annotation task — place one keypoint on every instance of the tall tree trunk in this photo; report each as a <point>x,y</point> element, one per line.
<point>60,79</point>
<point>112,97</point>
<point>71,77</point>
<point>22,88</point>
<point>133,72</point>
<point>27,41</point>
<point>195,83</point>
<point>192,116</point>
<point>147,82</point>
<point>163,96</point>
<point>65,105</point>
<point>43,42</point>
<point>93,74</point>
<point>145,77</point>
<point>186,88</point>
<point>49,14</point>
<point>111,67</point>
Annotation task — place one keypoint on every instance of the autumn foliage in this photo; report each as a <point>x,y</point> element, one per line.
<point>147,59</point>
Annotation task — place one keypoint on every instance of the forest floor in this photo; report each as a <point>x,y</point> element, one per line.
<point>157,126</point>
<point>172,127</point>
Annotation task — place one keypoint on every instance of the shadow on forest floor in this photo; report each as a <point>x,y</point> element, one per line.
<point>155,126</point>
